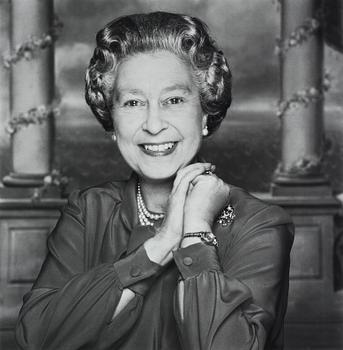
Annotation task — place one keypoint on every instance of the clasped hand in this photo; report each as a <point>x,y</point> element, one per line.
<point>194,202</point>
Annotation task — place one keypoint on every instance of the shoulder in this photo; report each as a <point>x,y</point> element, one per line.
<point>111,190</point>
<point>108,193</point>
<point>260,231</point>
<point>249,208</point>
<point>253,217</point>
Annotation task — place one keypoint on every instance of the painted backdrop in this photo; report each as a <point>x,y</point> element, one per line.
<point>246,148</point>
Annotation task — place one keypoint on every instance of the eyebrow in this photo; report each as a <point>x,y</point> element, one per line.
<point>183,87</point>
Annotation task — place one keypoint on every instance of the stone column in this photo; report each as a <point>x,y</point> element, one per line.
<point>32,85</point>
<point>4,86</point>
<point>301,56</point>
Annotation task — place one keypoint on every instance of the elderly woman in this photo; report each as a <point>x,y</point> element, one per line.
<point>173,258</point>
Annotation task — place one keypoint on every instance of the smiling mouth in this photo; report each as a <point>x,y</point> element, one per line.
<point>158,149</point>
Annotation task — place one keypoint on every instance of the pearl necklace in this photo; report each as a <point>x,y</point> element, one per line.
<point>146,218</point>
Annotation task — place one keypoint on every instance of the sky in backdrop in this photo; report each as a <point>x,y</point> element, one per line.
<point>249,139</point>
<point>246,30</point>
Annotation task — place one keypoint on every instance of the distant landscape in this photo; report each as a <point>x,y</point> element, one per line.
<point>246,149</point>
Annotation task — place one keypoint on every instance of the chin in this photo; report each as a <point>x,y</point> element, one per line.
<point>161,168</point>
<point>161,174</point>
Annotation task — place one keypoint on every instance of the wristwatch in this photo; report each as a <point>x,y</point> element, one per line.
<point>206,236</point>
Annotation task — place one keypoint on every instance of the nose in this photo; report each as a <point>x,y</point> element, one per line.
<point>154,122</point>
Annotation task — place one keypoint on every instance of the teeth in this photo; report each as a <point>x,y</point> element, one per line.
<point>159,148</point>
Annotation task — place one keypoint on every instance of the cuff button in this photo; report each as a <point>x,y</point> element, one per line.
<point>188,261</point>
<point>135,271</point>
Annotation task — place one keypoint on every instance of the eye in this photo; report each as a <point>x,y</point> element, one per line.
<point>133,103</point>
<point>174,100</point>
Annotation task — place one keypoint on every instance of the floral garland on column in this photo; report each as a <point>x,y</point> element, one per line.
<point>36,115</point>
<point>299,35</point>
<point>27,49</point>
<point>54,180</point>
<point>308,165</point>
<point>304,97</point>
<point>39,114</point>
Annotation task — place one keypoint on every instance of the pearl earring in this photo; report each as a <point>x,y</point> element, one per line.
<point>114,137</point>
<point>205,131</point>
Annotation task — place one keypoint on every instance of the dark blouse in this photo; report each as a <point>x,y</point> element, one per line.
<point>235,297</point>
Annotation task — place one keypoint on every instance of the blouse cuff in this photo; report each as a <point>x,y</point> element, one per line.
<point>136,271</point>
<point>196,258</point>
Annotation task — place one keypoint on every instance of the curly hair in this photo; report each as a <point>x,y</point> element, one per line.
<point>187,37</point>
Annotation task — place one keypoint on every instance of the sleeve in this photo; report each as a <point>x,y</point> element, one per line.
<point>240,301</point>
<point>70,306</point>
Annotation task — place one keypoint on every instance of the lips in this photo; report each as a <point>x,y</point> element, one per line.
<point>158,149</point>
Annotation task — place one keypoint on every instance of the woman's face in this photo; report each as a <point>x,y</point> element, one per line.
<point>157,114</point>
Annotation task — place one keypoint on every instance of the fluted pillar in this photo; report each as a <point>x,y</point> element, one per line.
<point>301,107</point>
<point>32,86</point>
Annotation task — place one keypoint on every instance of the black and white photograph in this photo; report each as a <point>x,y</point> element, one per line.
<point>171,175</point>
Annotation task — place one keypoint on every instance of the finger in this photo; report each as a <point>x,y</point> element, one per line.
<point>190,188</point>
<point>186,181</point>
<point>202,167</point>
<point>180,190</point>
<point>213,182</point>
<point>205,178</point>
<point>211,171</point>
<point>182,172</point>
<point>179,194</point>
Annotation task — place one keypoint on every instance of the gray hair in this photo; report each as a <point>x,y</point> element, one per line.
<point>185,36</point>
